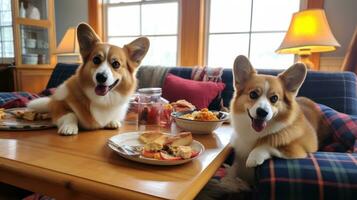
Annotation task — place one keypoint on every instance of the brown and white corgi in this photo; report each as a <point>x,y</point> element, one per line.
<point>269,120</point>
<point>97,96</point>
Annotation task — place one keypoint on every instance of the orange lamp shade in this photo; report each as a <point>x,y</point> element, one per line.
<point>309,32</point>
<point>69,43</point>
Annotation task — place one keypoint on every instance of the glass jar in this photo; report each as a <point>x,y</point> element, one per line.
<point>149,106</point>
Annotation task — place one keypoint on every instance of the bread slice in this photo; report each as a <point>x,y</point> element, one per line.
<point>150,136</point>
<point>182,139</point>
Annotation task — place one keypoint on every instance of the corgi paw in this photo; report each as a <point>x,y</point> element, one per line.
<point>113,125</point>
<point>68,129</point>
<point>254,160</point>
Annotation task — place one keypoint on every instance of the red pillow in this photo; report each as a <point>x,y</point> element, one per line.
<point>198,93</point>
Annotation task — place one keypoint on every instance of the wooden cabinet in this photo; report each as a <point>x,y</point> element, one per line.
<point>35,43</point>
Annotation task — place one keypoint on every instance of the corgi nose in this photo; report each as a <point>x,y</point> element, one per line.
<point>261,113</point>
<point>101,77</point>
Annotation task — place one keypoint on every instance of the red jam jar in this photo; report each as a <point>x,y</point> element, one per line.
<point>149,106</point>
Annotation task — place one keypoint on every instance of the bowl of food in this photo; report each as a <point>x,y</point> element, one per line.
<point>200,122</point>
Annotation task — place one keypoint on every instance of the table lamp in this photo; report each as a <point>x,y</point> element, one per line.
<point>308,33</point>
<point>68,49</point>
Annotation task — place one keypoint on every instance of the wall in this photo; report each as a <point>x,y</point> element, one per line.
<point>342,17</point>
<point>69,13</point>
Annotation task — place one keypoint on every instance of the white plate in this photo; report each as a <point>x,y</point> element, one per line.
<point>132,138</point>
<point>10,122</point>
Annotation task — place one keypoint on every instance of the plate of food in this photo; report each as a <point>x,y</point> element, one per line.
<point>156,148</point>
<point>203,121</point>
<point>24,119</point>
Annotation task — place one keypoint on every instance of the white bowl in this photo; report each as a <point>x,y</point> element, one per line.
<point>30,43</point>
<point>30,58</point>
<point>198,126</point>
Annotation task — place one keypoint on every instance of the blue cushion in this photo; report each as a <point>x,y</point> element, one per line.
<point>61,73</point>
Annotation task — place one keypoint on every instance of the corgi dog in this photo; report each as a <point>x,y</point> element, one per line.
<point>97,96</point>
<point>269,120</point>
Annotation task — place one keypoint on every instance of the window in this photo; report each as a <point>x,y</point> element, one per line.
<point>156,19</point>
<point>6,39</point>
<point>254,28</point>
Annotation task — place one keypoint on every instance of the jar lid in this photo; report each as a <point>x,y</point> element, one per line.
<point>150,90</point>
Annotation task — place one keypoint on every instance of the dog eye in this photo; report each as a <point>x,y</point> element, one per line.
<point>273,99</point>
<point>115,64</point>
<point>97,60</point>
<point>253,95</point>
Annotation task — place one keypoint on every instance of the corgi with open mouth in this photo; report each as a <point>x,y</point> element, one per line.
<point>97,96</point>
<point>268,119</point>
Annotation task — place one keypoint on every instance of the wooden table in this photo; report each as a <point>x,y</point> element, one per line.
<point>84,167</point>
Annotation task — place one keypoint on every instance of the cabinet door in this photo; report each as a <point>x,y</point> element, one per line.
<point>32,80</point>
<point>34,45</point>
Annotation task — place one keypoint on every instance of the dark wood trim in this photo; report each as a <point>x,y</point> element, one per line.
<point>95,16</point>
<point>192,33</point>
<point>315,4</point>
<point>350,60</point>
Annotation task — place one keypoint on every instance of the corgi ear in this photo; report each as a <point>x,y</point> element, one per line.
<point>137,50</point>
<point>242,70</point>
<point>87,39</point>
<point>293,77</point>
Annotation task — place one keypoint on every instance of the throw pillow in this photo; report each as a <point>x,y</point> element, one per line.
<point>198,93</point>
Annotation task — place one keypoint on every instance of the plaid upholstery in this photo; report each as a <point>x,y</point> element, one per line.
<point>323,175</point>
<point>7,97</point>
<point>344,135</point>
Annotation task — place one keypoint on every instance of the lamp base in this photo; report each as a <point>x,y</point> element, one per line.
<point>306,60</point>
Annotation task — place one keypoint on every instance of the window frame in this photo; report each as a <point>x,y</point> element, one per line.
<point>106,7</point>
<point>7,60</point>
<point>193,29</point>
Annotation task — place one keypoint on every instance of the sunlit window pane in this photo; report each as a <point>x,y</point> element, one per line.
<point>262,53</point>
<point>123,1</point>
<point>162,51</point>
<point>124,20</point>
<point>273,15</point>
<point>223,49</point>
<point>120,41</point>
<point>159,18</point>
<point>230,16</point>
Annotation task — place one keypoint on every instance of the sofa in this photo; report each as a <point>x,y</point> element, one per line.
<point>322,175</point>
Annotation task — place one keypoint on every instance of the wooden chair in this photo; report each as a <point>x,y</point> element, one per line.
<point>350,60</point>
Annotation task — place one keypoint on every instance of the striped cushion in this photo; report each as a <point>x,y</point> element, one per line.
<point>323,175</point>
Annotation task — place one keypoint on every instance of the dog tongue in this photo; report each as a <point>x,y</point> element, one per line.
<point>101,90</point>
<point>258,124</point>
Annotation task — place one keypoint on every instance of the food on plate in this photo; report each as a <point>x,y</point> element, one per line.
<point>182,106</point>
<point>183,139</point>
<point>150,136</point>
<point>202,115</point>
<point>2,113</point>
<point>184,151</point>
<point>30,115</point>
<point>162,146</point>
